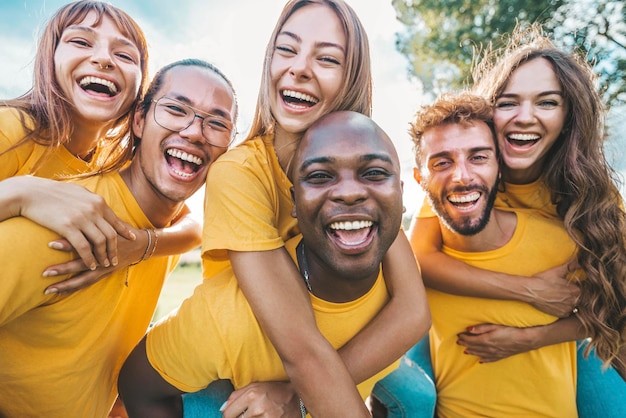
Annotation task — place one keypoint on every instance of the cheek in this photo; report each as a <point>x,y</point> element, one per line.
<point>330,84</point>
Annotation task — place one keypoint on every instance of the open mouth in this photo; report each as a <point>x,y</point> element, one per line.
<point>298,100</point>
<point>182,163</point>
<point>523,140</point>
<point>352,233</point>
<point>465,200</point>
<point>99,86</point>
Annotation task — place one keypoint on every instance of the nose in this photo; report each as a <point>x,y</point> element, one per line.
<point>349,190</point>
<point>193,132</point>
<point>462,174</point>
<point>101,57</point>
<point>300,67</point>
<point>525,113</point>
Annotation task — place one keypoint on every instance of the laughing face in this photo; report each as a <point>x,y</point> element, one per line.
<point>529,116</point>
<point>348,195</point>
<point>98,70</point>
<point>307,67</point>
<point>459,174</point>
<point>175,164</point>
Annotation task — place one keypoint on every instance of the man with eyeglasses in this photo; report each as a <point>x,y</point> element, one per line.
<point>61,353</point>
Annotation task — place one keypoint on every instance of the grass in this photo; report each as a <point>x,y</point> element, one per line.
<point>178,286</point>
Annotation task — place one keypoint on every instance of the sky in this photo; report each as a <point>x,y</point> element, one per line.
<point>232,34</point>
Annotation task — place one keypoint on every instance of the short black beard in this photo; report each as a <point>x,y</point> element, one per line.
<point>465,227</point>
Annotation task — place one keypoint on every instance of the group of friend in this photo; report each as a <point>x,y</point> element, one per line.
<point>312,292</point>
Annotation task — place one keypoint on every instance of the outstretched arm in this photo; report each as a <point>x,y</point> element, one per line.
<point>399,325</point>
<point>491,342</point>
<point>183,235</point>
<point>549,292</point>
<point>278,298</point>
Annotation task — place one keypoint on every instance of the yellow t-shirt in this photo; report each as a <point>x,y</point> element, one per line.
<point>33,158</point>
<point>248,204</point>
<point>60,355</point>
<point>535,195</point>
<point>214,335</point>
<point>539,383</point>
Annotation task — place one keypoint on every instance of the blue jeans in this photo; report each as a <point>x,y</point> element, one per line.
<point>409,391</point>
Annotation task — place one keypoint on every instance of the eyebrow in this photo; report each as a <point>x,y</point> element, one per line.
<point>317,44</point>
<point>543,93</point>
<point>88,29</point>
<point>325,160</point>
<point>188,102</point>
<point>471,151</point>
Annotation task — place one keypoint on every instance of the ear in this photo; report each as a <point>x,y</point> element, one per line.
<point>293,207</point>
<point>417,175</point>
<point>138,122</point>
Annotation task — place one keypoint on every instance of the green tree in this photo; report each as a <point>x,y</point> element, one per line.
<point>442,37</point>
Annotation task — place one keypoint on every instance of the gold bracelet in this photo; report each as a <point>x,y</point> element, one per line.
<point>145,253</point>
<point>156,241</point>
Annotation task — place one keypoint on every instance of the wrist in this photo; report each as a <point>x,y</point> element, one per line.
<point>152,241</point>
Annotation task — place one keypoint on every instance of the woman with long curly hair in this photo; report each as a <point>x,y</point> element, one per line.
<point>549,122</point>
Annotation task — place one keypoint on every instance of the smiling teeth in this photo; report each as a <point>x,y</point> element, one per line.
<point>465,198</point>
<point>96,80</point>
<point>300,96</point>
<point>349,226</point>
<point>182,155</point>
<point>524,137</point>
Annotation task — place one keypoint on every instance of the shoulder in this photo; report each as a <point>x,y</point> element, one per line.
<point>250,159</point>
<point>12,124</point>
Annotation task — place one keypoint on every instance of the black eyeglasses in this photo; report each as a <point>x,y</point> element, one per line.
<point>177,116</point>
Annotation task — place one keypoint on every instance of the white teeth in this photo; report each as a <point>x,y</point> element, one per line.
<point>465,198</point>
<point>182,155</point>
<point>182,174</point>
<point>524,137</point>
<point>300,96</point>
<point>348,226</point>
<point>96,80</point>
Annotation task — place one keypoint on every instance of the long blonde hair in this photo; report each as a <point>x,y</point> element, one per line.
<point>356,92</point>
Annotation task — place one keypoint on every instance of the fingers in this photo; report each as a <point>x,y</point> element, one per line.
<point>78,282</point>
<point>71,267</point>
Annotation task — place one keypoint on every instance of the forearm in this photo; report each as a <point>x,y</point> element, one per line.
<point>447,274</point>
<point>399,325</point>
<point>11,194</point>
<point>560,331</point>
<point>183,235</point>
<point>278,298</point>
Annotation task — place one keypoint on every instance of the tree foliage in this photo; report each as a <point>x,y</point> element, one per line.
<point>443,37</point>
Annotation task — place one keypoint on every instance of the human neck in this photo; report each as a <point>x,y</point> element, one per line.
<point>525,176</point>
<point>84,139</point>
<point>285,144</point>
<point>159,210</point>
<point>331,285</point>
<point>498,231</point>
